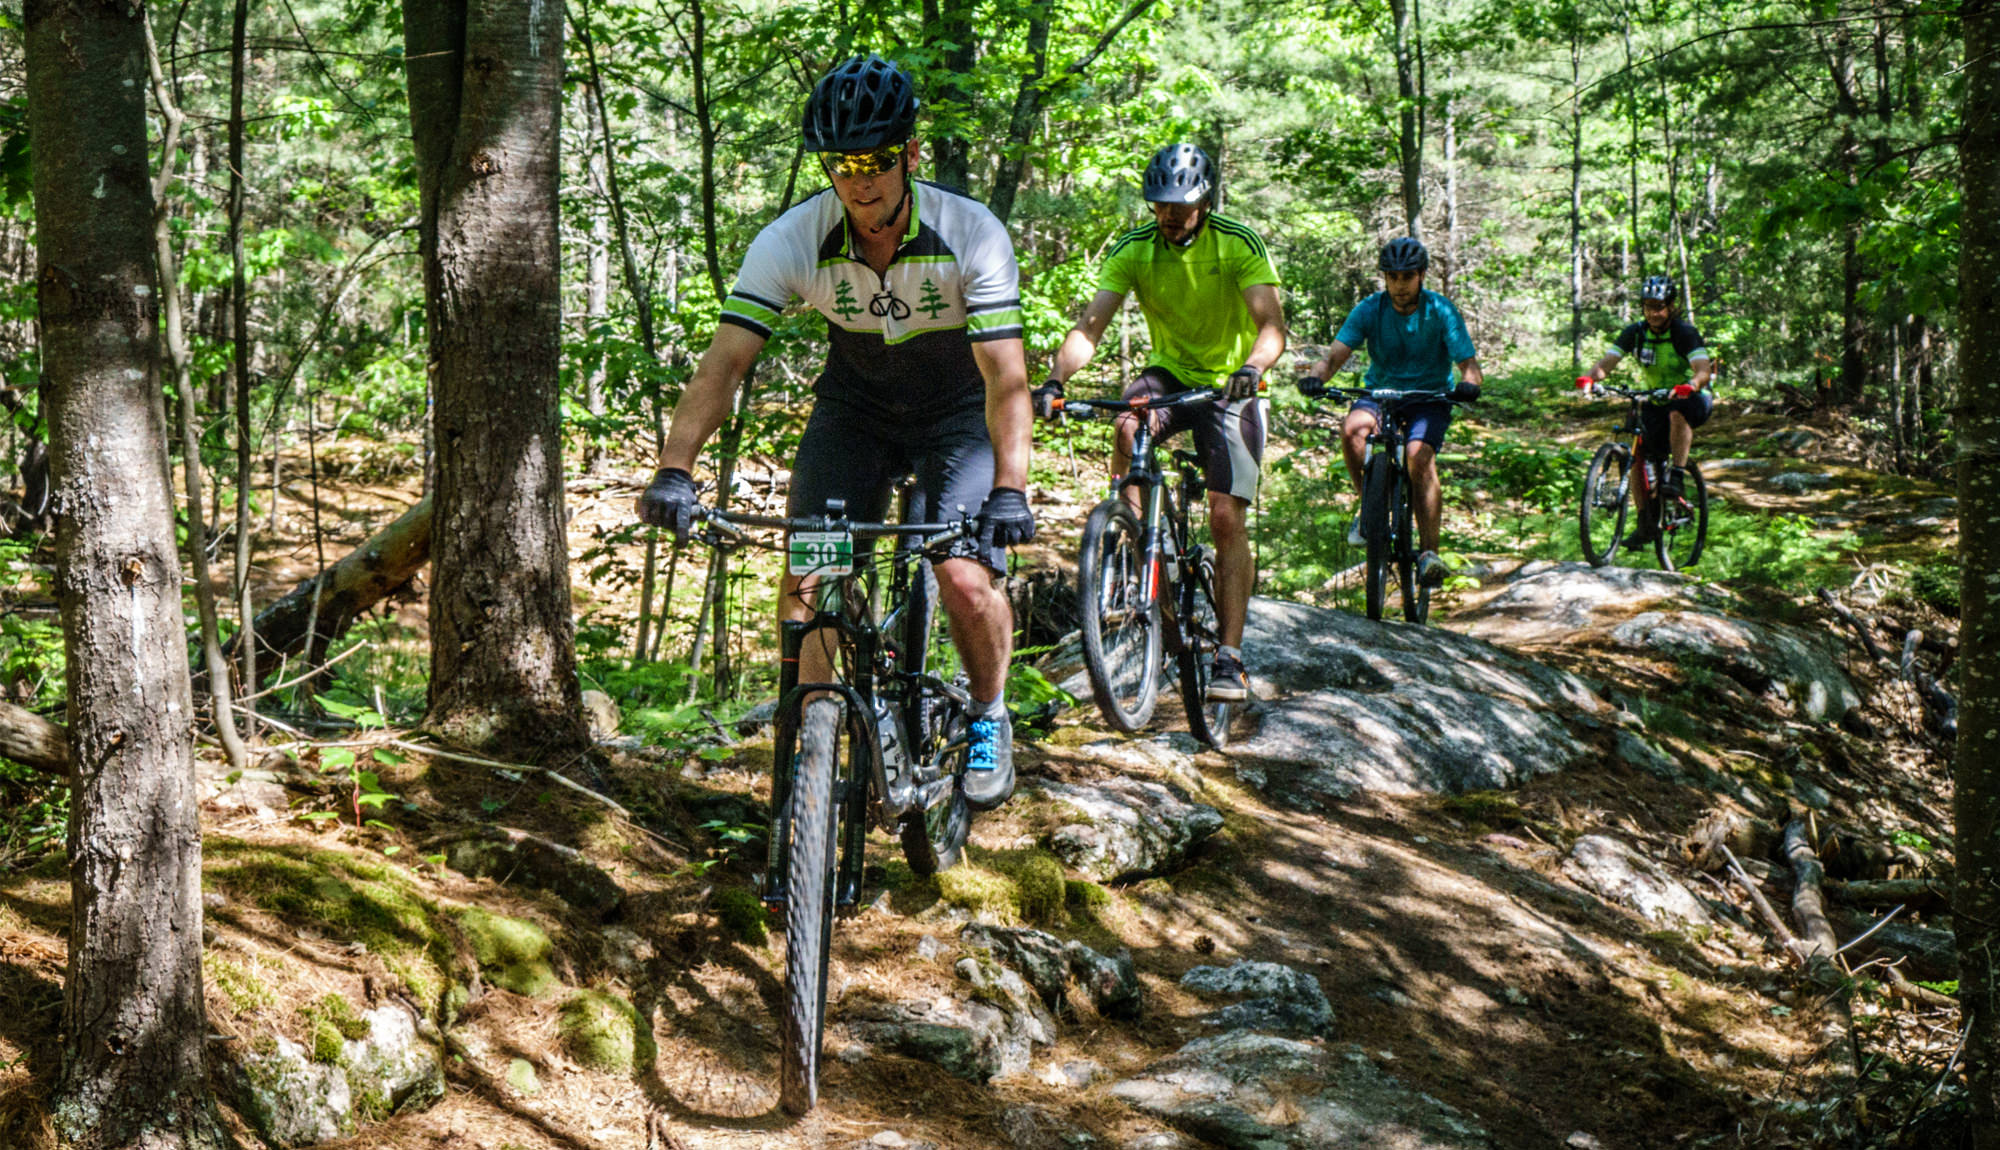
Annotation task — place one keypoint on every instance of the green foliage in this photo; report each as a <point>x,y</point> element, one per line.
<point>514,953</point>
<point>1770,550</point>
<point>1937,583</point>
<point>1544,479</point>
<point>32,659</point>
<point>1043,894</point>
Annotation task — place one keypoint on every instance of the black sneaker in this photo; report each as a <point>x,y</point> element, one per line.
<point>989,768</point>
<point>1641,538</point>
<point>1675,484</point>
<point>1431,570</point>
<point>1226,680</point>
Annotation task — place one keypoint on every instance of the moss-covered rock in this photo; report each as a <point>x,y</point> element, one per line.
<point>1039,884</point>
<point>603,1032</point>
<point>742,915</point>
<point>981,891</point>
<point>513,953</point>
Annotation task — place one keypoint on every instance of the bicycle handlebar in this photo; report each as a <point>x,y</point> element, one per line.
<point>1088,409</point>
<point>1389,395</point>
<point>726,527</point>
<point>1638,392</point>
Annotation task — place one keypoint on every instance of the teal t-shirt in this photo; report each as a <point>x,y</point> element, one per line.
<point>1414,352</point>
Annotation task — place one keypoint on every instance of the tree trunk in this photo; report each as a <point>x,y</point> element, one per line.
<point>1409,145</point>
<point>1976,802</point>
<point>1027,110</point>
<point>949,23</point>
<point>1575,194</point>
<point>239,324</point>
<point>485,96</point>
<point>134,1023</point>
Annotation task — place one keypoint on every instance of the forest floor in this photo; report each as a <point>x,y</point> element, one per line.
<point>1454,950</point>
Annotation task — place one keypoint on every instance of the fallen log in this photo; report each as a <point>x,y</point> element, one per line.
<point>33,741</point>
<point>346,589</point>
<point>1889,892</point>
<point>1821,949</point>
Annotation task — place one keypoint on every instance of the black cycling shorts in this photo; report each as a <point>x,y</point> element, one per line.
<point>1655,428</point>
<point>845,454</point>
<point>1228,434</point>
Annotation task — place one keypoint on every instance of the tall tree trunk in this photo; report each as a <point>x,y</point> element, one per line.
<point>950,32</point>
<point>1575,193</point>
<point>239,327</point>
<point>180,358</point>
<point>1408,140</point>
<point>485,99</point>
<point>1451,226</point>
<point>597,284</point>
<point>1976,801</point>
<point>134,1024</point>
<point>1635,251</point>
<point>1027,110</point>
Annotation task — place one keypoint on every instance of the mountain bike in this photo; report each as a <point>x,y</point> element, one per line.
<point>1387,518</point>
<point>885,744</point>
<point>1145,586</point>
<point>1681,519</point>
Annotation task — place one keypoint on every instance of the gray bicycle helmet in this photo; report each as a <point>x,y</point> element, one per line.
<point>1179,174</point>
<point>1404,254</point>
<point>1661,288</point>
<point>865,103</point>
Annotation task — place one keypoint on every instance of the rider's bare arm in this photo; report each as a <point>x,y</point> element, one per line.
<point>1269,314</point>
<point>1603,367</point>
<point>1335,359</point>
<point>1010,419</point>
<point>1704,370</point>
<point>706,401</point>
<point>1081,342</point>
<point>1468,370</point>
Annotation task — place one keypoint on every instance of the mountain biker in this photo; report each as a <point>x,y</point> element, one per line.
<point>925,373</point>
<point>1671,355</point>
<point>1209,292</point>
<point>1414,338</point>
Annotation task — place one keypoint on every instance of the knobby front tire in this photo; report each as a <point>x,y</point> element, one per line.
<point>1121,623</point>
<point>1606,500</point>
<point>809,905</point>
<point>1416,598</point>
<point>1376,492</point>
<point>933,838</point>
<point>1207,721</point>
<point>1683,524</point>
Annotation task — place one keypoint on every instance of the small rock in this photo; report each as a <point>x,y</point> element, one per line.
<point>1799,482</point>
<point>1582,1141</point>
<point>521,1077</point>
<point>929,948</point>
<point>1283,1000</point>
<point>1126,828</point>
<point>1033,1128</point>
<point>600,713</point>
<point>890,1140</point>
<point>1621,874</point>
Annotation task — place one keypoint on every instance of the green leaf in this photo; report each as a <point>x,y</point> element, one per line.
<point>335,758</point>
<point>318,816</point>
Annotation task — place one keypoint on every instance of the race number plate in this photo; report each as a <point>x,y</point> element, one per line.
<point>821,553</point>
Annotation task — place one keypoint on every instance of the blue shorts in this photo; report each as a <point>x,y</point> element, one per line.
<point>847,454</point>
<point>1427,420</point>
<point>1655,428</point>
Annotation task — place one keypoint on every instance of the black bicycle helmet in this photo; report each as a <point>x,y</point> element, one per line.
<point>865,103</point>
<point>1404,254</point>
<point>1179,174</point>
<point>1661,288</point>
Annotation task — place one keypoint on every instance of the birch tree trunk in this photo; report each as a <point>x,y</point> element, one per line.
<point>134,1024</point>
<point>485,81</point>
<point>1976,802</point>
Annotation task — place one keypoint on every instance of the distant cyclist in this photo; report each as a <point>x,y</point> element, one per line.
<point>1210,296</point>
<point>925,373</point>
<point>1414,338</point>
<point>1671,355</point>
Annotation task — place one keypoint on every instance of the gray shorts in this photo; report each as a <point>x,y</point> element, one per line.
<point>845,454</point>
<point>1228,435</point>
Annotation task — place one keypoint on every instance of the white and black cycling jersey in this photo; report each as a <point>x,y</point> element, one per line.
<point>901,342</point>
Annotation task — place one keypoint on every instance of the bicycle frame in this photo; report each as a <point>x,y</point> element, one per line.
<point>862,789</point>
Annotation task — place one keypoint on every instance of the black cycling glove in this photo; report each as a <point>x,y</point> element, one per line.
<point>1311,386</point>
<point>669,502</point>
<point>1466,392</point>
<point>1005,520</point>
<point>1044,398</point>
<point>1243,382</point>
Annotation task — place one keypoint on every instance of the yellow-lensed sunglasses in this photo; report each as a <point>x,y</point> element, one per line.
<point>872,163</point>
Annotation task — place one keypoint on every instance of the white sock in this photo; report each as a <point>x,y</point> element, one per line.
<point>990,710</point>
<point>1235,653</point>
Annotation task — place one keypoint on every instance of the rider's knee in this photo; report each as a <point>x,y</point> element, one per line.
<point>964,583</point>
<point>1227,519</point>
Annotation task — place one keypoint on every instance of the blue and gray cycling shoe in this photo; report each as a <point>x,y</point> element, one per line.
<point>989,767</point>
